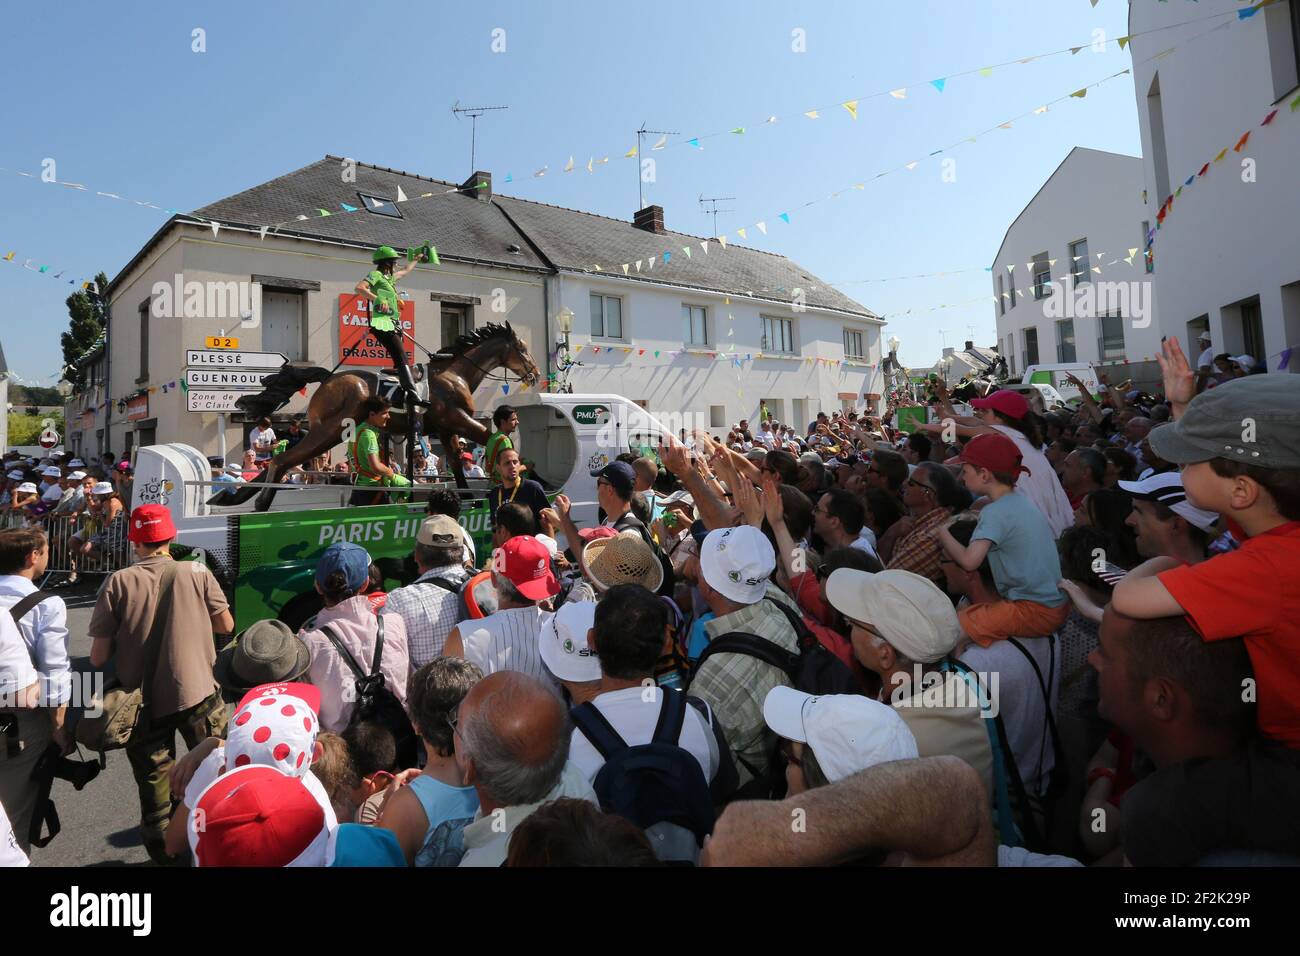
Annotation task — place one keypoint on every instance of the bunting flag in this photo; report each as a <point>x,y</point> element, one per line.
<point>939,84</point>
<point>590,161</point>
<point>722,241</point>
<point>811,114</point>
<point>630,153</point>
<point>568,167</point>
<point>852,107</point>
<point>786,216</point>
<point>401,196</point>
<point>694,141</point>
<point>347,208</point>
<point>741,233</point>
<point>899,94</point>
<point>762,227</point>
<point>663,141</point>
<point>1123,42</point>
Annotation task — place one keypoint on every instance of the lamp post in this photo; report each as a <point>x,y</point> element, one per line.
<point>563,360</point>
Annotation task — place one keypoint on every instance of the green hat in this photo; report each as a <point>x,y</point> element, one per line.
<point>383,253</point>
<point>1251,420</point>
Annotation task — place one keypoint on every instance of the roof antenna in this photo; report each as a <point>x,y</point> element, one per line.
<point>640,134</point>
<point>473,112</point>
<point>715,210</point>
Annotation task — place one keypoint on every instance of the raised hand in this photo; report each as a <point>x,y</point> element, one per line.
<point>561,506</point>
<point>773,506</point>
<point>1179,379</point>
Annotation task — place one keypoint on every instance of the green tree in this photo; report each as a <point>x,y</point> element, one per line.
<point>88,317</point>
<point>26,429</point>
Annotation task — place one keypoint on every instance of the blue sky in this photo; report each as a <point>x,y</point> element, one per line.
<point>115,95</point>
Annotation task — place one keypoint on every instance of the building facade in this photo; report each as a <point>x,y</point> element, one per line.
<point>730,325</point>
<point>1070,282</point>
<point>1224,252</point>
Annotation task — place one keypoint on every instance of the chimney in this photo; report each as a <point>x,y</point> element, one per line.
<point>472,187</point>
<point>651,219</point>
<point>948,350</point>
<point>969,345</point>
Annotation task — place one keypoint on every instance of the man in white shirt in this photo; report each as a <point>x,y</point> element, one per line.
<point>261,440</point>
<point>43,629</point>
<point>51,487</point>
<point>628,638</point>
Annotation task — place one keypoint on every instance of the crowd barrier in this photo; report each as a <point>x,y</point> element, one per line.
<point>68,536</point>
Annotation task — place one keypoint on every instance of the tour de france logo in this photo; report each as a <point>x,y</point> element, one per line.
<point>157,492</point>
<point>597,461</point>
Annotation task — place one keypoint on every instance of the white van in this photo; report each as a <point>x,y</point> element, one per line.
<point>1054,375</point>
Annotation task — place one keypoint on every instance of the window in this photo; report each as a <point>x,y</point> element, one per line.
<point>1159,152</point>
<point>1042,276</point>
<point>380,206</point>
<point>606,317</point>
<point>1252,329</point>
<point>1011,354</point>
<point>717,416</point>
<point>454,322</point>
<point>1282,25</point>
<point>695,326</point>
<point>853,344</point>
<point>1079,271</point>
<point>1148,248</point>
<point>282,323</point>
<point>1011,289</point>
<point>144,343</point>
<point>1065,341</point>
<point>1030,355</point>
<point>778,335</point>
<point>1002,297</point>
<point>1110,343</point>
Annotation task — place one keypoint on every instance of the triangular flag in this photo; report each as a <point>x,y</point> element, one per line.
<point>261,233</point>
<point>401,196</point>
<point>1123,42</point>
<point>1295,104</point>
<point>741,233</point>
<point>1241,142</point>
<point>510,177</point>
<point>986,71</point>
<point>216,226</point>
<point>1041,109</point>
<point>10,258</point>
<point>811,114</point>
<point>602,161</point>
<point>630,153</point>
<point>590,161</point>
<point>705,246</point>
<point>1075,49</point>
<point>694,141</point>
<point>1269,118</point>
<point>687,250</point>
<point>625,267</point>
<point>899,94</point>
<point>1096,269</point>
<point>625,351</point>
<point>1080,93</point>
<point>785,216</point>
<point>1204,169</point>
<point>505,389</point>
<point>640,352</point>
<point>568,167</point>
<point>667,256</point>
<point>323,212</point>
<point>1133,251</point>
<point>762,227</point>
<point>638,265</point>
<point>939,84</point>
<point>1006,125</point>
<point>541,172</point>
<point>577,350</point>
<point>650,263</point>
<point>912,165</point>
<point>347,208</point>
<point>1190,180</point>
<point>1223,153</point>
<point>722,241</point>
<point>595,349</point>
<point>656,353</point>
<point>739,130</point>
<point>660,144</point>
<point>852,107</point>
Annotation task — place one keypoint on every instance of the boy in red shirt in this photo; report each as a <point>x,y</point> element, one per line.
<point>1239,448</point>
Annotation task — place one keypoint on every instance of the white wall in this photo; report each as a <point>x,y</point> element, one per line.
<point>693,383</point>
<point>1226,240</point>
<point>1096,196</point>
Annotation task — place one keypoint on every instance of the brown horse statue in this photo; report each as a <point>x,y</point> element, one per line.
<point>453,375</point>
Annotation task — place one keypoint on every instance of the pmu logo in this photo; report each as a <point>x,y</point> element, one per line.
<point>591,414</point>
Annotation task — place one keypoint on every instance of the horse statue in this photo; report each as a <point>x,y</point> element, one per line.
<point>453,374</point>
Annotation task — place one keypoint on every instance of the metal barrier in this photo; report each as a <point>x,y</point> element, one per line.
<point>69,536</point>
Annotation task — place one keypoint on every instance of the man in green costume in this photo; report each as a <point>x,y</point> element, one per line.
<point>379,289</point>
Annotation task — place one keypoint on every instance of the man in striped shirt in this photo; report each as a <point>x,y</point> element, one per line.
<point>508,639</point>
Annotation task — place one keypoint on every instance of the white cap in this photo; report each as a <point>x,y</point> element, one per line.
<point>27,488</point>
<point>76,475</point>
<point>76,463</point>
<point>551,544</point>
<point>847,732</point>
<point>1166,487</point>
<point>1245,361</point>
<point>233,469</point>
<point>103,488</point>
<point>736,562</point>
<point>1204,336</point>
<point>16,475</point>
<point>52,472</point>
<point>909,611</point>
<point>563,643</point>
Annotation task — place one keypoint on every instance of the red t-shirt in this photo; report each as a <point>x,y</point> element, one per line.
<point>816,612</point>
<point>807,593</point>
<point>1254,593</point>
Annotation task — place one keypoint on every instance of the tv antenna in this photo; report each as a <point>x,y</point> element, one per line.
<point>640,136</point>
<point>715,210</point>
<point>943,337</point>
<point>970,329</point>
<point>473,112</point>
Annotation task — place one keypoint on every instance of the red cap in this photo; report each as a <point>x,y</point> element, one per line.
<point>1009,403</point>
<point>994,452</point>
<point>258,816</point>
<point>600,531</point>
<point>466,456</point>
<point>527,563</point>
<point>150,524</point>
<point>307,693</point>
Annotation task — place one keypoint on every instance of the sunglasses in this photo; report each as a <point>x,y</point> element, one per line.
<point>920,484</point>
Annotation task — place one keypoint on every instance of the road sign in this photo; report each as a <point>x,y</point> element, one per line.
<point>223,358</point>
<point>221,342</point>
<point>212,400</point>
<point>49,438</point>
<point>248,380</point>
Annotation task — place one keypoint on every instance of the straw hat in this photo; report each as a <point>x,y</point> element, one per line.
<point>623,559</point>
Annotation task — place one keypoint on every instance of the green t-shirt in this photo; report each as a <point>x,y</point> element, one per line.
<point>384,291</point>
<point>365,445</point>
<point>498,443</point>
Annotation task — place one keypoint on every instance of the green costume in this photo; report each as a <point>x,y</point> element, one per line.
<point>498,443</point>
<point>382,287</point>
<point>365,444</point>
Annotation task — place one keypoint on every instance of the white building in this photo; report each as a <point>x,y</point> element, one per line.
<point>971,359</point>
<point>698,336</point>
<point>1070,282</point>
<point>1225,253</point>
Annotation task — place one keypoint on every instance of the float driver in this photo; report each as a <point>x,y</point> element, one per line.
<point>379,289</point>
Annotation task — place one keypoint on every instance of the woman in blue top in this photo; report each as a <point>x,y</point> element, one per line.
<point>428,815</point>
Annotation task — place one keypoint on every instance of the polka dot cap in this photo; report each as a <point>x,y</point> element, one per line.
<point>275,725</point>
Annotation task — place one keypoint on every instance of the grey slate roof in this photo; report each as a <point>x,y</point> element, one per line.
<point>4,366</point>
<point>549,237</point>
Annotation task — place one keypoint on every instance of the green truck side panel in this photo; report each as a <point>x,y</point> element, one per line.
<point>278,551</point>
<point>1041,378</point>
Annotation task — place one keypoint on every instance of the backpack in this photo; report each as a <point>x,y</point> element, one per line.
<point>814,670</point>
<point>375,701</point>
<point>456,589</point>
<point>659,786</point>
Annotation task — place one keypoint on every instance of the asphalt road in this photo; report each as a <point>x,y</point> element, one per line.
<point>101,824</point>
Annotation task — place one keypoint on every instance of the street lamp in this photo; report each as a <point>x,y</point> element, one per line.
<point>64,388</point>
<point>563,360</point>
<point>894,345</point>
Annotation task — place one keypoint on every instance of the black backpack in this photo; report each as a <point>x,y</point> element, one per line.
<point>814,670</point>
<point>658,786</point>
<point>456,589</point>
<point>375,702</point>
